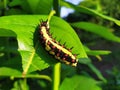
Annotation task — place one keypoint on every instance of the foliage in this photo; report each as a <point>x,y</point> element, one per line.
<point>26,62</point>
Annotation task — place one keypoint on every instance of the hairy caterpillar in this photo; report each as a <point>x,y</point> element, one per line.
<point>54,47</point>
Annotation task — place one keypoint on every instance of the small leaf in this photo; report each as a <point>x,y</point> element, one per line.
<point>79,83</point>
<point>98,52</point>
<point>97,29</point>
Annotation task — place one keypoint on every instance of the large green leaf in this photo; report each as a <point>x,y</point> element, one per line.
<point>24,28</point>
<point>79,83</point>
<point>97,29</point>
<point>88,11</point>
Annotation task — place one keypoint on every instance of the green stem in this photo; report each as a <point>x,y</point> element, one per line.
<point>56,7</point>
<point>5,4</point>
<point>7,45</point>
<point>50,15</point>
<point>33,76</point>
<point>24,84</point>
<point>56,76</point>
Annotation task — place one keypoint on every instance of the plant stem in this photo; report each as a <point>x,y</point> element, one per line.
<point>56,76</point>
<point>7,45</point>
<point>50,15</point>
<point>56,7</point>
<point>5,4</point>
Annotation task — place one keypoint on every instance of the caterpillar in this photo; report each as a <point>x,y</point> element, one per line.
<point>54,47</point>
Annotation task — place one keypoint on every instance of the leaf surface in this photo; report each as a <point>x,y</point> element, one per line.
<point>25,29</point>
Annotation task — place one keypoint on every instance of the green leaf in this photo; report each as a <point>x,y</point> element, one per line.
<point>97,29</point>
<point>96,71</point>
<point>15,11</point>
<point>7,33</point>
<point>88,11</point>
<point>98,52</point>
<point>8,72</point>
<point>23,27</point>
<point>34,6</point>
<point>40,6</point>
<point>79,83</point>
<point>5,71</point>
<point>88,62</point>
<point>14,3</point>
<point>68,35</point>
<point>34,56</point>
<point>20,84</point>
<point>84,60</point>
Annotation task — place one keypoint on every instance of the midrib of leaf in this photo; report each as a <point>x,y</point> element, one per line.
<point>30,60</point>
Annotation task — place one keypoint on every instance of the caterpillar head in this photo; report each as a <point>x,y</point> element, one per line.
<point>44,23</point>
